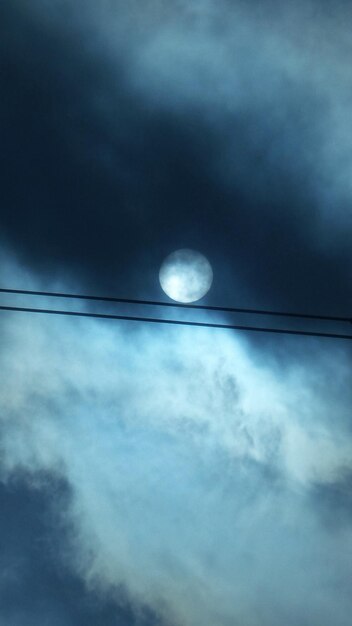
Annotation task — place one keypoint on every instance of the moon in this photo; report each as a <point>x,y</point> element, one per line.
<point>186,275</point>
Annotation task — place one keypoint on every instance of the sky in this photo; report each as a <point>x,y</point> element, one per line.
<point>155,475</point>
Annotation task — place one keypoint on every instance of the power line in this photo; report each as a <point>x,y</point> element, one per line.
<point>203,307</point>
<point>176,322</point>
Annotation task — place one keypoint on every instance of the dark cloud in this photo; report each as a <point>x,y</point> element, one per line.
<point>179,469</point>
<point>100,181</point>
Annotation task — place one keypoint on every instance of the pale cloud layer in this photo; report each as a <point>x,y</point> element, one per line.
<point>191,465</point>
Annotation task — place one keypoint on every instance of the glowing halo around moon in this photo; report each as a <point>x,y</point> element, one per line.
<point>186,275</point>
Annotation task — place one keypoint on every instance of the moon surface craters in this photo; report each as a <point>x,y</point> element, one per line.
<point>186,275</point>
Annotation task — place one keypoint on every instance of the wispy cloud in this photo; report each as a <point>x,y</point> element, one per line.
<point>208,477</point>
<point>192,466</point>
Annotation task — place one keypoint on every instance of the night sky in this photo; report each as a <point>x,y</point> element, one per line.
<point>174,476</point>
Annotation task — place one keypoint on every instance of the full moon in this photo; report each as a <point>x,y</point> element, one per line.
<point>186,275</point>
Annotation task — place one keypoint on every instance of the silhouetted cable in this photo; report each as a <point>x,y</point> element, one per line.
<point>178,322</point>
<point>203,307</point>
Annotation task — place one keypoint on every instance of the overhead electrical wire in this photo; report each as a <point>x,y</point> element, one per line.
<point>201,307</point>
<point>175,322</point>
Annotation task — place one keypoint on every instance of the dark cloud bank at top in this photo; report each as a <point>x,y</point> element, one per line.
<point>130,131</point>
<point>207,484</point>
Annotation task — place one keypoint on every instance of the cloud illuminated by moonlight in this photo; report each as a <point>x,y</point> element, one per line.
<point>190,463</point>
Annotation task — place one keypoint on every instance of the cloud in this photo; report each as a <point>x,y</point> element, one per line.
<point>272,80</point>
<point>209,474</point>
<point>282,71</point>
<point>35,586</point>
<point>166,127</point>
<point>193,466</point>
